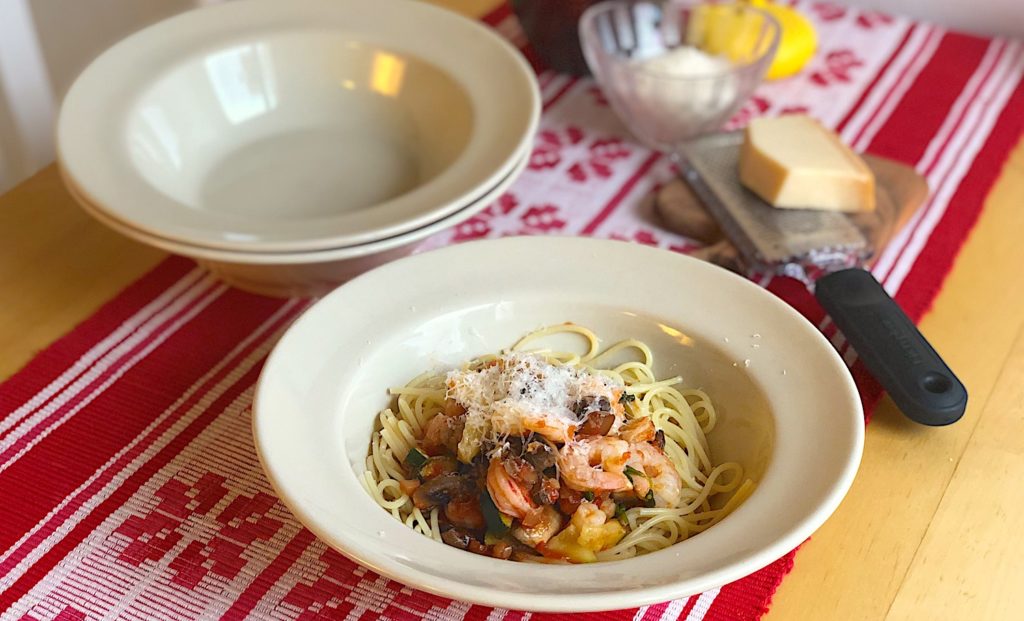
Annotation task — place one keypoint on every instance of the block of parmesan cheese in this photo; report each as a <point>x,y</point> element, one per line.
<point>794,162</point>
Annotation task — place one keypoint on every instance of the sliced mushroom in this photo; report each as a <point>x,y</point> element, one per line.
<point>586,405</point>
<point>597,423</point>
<point>465,512</point>
<point>546,491</point>
<point>501,550</point>
<point>540,455</point>
<point>440,490</point>
<point>659,440</point>
<point>520,470</point>
<point>457,538</point>
<point>443,434</point>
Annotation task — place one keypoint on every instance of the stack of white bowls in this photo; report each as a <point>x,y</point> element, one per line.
<point>290,145</point>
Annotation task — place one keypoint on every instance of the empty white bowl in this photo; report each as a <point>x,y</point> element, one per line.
<point>261,125</point>
<point>309,273</point>
<point>790,415</point>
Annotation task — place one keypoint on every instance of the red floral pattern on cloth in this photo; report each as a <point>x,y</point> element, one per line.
<point>131,484</point>
<point>873,19</point>
<point>640,236</point>
<point>344,588</point>
<point>68,613</point>
<point>828,12</point>
<point>547,152</point>
<point>601,157</point>
<point>598,95</point>
<point>648,237</point>
<point>479,225</point>
<point>755,107</point>
<point>474,228</point>
<point>839,67</point>
<point>543,218</point>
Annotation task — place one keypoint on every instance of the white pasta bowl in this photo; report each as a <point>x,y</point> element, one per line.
<point>305,274</point>
<point>305,125</point>
<point>788,410</point>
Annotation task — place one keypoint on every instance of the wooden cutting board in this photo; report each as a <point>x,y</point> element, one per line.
<point>901,192</point>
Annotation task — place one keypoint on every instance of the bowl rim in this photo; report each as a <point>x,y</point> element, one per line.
<point>851,420</point>
<point>340,253</point>
<point>591,13</point>
<point>112,184</point>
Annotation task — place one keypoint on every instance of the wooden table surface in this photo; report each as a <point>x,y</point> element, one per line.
<point>931,528</point>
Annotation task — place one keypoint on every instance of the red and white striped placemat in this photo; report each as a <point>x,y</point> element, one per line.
<point>130,484</point>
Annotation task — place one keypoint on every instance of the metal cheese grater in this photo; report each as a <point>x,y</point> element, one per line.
<point>826,250</point>
<point>794,242</point>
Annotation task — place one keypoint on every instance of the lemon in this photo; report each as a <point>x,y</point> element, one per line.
<point>720,29</point>
<point>797,43</point>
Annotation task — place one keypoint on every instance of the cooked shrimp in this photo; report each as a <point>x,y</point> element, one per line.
<point>638,430</point>
<point>453,408</point>
<point>509,496</point>
<point>551,426</point>
<point>661,475</point>
<point>524,421</point>
<point>595,464</point>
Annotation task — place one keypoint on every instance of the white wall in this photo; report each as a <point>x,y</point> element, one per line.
<point>991,17</point>
<point>44,44</point>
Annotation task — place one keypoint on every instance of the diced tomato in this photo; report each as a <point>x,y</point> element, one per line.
<point>408,486</point>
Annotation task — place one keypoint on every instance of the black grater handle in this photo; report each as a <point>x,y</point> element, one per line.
<point>892,347</point>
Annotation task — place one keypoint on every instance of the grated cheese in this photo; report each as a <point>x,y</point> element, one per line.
<point>522,393</point>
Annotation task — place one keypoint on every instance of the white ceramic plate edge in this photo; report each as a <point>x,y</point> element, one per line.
<point>292,258</point>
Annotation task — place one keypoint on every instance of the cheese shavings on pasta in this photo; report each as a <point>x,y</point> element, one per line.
<point>519,392</point>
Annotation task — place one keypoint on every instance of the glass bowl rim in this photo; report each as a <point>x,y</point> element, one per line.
<point>591,13</point>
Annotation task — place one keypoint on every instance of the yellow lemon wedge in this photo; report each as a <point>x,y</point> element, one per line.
<point>721,29</point>
<point>797,43</point>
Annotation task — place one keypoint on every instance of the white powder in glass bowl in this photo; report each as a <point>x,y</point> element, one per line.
<point>676,94</point>
<point>685,62</point>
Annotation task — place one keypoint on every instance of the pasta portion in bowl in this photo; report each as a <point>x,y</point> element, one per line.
<point>761,387</point>
<point>548,456</point>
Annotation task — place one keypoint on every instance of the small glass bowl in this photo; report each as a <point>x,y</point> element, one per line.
<point>674,71</point>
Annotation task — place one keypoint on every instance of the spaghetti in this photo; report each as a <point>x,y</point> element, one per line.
<point>539,455</point>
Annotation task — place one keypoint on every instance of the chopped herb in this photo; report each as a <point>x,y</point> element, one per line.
<point>626,397</point>
<point>588,496</point>
<point>620,514</point>
<point>631,472</point>
<point>415,459</point>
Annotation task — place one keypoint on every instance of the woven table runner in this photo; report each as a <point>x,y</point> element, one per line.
<point>129,480</point>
